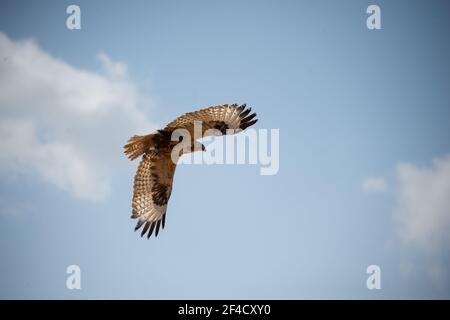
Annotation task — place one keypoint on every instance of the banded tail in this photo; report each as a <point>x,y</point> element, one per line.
<point>138,145</point>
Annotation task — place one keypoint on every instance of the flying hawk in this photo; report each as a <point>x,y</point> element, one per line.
<point>154,176</point>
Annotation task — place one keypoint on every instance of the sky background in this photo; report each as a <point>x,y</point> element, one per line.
<point>364,173</point>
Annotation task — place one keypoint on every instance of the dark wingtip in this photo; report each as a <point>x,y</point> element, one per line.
<point>242,107</point>
<point>134,216</point>
<point>151,230</point>
<point>250,117</point>
<point>138,225</point>
<point>157,228</point>
<point>248,124</point>
<point>147,225</point>
<point>243,114</point>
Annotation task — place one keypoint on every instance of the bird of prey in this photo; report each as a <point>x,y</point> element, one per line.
<point>154,176</point>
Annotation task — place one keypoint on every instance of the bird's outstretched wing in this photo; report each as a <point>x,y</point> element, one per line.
<point>216,117</point>
<point>151,192</point>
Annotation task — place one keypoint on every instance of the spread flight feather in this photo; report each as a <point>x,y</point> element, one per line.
<point>154,176</point>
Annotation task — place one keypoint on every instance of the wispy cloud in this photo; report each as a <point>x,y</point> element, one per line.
<point>423,203</point>
<point>64,125</point>
<point>374,184</point>
<point>421,216</point>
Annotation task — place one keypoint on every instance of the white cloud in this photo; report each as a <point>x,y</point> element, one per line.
<point>64,125</point>
<point>423,204</point>
<point>422,217</point>
<point>374,184</point>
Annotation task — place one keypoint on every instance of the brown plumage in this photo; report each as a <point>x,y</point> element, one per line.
<point>154,176</point>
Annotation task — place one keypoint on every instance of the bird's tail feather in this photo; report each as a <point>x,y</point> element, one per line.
<point>137,146</point>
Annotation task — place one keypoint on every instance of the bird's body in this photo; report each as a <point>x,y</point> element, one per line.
<point>154,176</point>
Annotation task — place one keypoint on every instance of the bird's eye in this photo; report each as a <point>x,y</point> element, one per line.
<point>180,139</point>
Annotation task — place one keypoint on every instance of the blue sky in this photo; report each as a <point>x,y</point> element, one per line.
<point>364,168</point>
